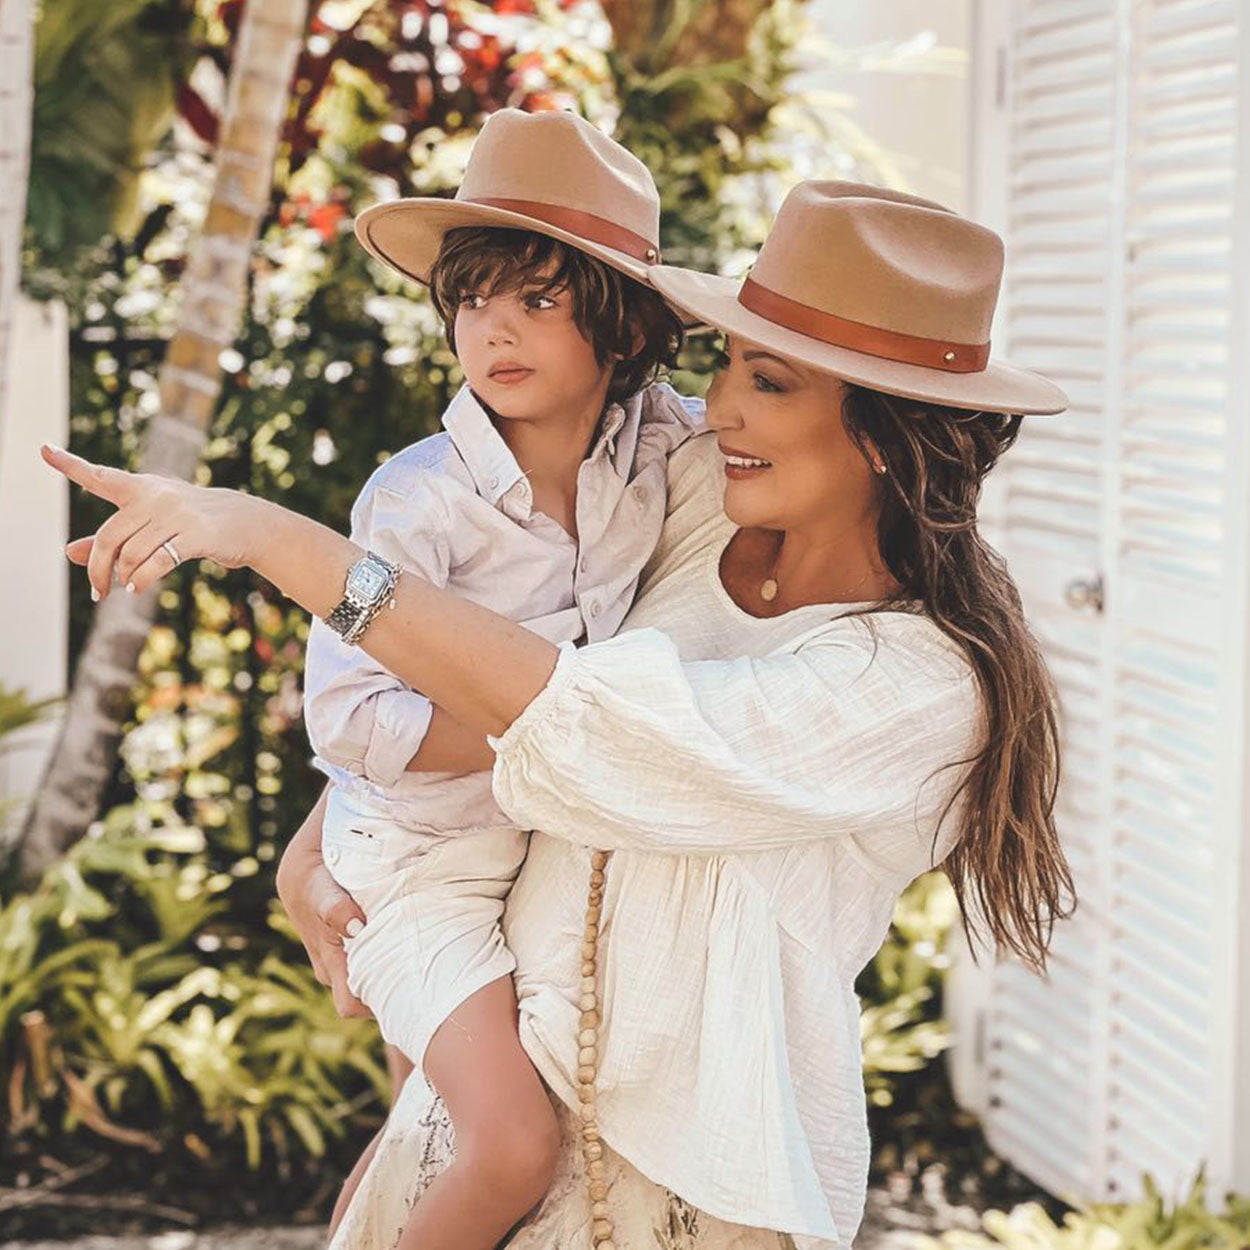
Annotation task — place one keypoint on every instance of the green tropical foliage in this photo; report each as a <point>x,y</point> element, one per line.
<point>106,75</point>
<point>901,1024</point>
<point>151,995</point>
<point>17,711</point>
<point>134,1006</point>
<point>1153,1223</point>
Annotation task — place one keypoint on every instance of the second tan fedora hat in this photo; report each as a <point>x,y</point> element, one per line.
<point>550,172</point>
<point>882,289</point>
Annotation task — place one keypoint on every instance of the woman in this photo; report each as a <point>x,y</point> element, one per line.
<point>823,689</point>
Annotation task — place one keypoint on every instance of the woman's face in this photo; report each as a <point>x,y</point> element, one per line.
<point>765,407</point>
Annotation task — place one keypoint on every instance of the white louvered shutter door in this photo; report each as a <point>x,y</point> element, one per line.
<point>1121,236</point>
<point>1175,836</point>
<point>1064,72</point>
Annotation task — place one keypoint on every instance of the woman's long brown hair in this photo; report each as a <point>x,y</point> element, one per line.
<point>1007,863</point>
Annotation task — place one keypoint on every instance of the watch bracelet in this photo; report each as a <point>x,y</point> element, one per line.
<point>344,617</point>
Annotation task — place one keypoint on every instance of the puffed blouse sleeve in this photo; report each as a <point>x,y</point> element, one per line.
<point>857,734</point>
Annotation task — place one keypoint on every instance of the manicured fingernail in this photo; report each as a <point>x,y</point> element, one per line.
<point>95,595</point>
<point>354,926</point>
<point>53,448</point>
<point>130,588</point>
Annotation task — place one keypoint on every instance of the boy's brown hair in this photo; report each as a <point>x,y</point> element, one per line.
<point>611,309</point>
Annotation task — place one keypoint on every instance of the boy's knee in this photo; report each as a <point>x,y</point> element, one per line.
<point>518,1160</point>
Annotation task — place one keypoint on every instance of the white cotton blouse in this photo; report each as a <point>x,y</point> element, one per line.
<point>768,787</point>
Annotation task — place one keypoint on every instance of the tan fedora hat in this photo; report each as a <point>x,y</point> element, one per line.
<point>550,172</point>
<point>879,288</point>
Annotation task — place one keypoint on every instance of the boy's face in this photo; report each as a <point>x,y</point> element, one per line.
<point>523,354</point>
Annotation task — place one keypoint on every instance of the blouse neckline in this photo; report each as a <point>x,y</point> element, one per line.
<point>716,553</point>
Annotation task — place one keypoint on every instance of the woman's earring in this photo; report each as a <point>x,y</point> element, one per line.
<point>881,468</point>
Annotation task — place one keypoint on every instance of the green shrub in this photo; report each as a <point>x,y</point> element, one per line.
<point>901,1024</point>
<point>1152,1222</point>
<point>131,1007</point>
<point>17,711</point>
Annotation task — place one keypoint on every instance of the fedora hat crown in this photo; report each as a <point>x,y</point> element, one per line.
<point>553,173</point>
<point>882,289</point>
<point>562,160</point>
<point>886,261</point>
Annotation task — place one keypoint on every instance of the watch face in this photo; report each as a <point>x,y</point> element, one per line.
<point>367,581</point>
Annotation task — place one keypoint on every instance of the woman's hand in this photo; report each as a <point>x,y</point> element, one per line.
<point>322,912</point>
<point>159,522</point>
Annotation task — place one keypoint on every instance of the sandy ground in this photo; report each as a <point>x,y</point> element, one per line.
<point>888,1225</point>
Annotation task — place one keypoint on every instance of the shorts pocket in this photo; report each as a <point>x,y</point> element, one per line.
<point>359,863</point>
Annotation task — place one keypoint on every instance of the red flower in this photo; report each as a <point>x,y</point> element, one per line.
<point>325,220</point>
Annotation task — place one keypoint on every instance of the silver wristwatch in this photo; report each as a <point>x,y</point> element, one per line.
<point>370,586</point>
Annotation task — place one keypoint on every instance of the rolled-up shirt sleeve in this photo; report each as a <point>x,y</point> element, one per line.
<point>358,714</point>
<point>629,748</point>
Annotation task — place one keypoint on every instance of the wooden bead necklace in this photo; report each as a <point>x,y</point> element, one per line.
<point>601,1228</point>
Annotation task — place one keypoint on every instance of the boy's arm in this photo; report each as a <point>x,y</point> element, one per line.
<point>358,714</point>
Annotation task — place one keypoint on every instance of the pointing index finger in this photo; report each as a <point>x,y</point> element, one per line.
<point>99,479</point>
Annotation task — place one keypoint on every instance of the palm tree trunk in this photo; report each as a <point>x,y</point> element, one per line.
<point>17,47</point>
<point>213,292</point>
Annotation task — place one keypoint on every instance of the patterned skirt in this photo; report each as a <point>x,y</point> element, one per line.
<point>418,1143</point>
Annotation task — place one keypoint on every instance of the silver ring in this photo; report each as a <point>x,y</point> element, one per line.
<point>172,552</point>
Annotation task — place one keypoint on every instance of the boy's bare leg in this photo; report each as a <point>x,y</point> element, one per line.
<point>352,1183</point>
<point>507,1136</point>
<point>399,1067</point>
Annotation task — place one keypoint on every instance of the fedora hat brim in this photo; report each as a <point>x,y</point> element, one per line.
<point>405,235</point>
<point>1000,387</point>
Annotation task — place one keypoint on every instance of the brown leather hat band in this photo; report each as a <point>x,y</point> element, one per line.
<point>575,221</point>
<point>906,349</point>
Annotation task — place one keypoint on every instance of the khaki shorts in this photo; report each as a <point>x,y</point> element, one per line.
<point>432,904</point>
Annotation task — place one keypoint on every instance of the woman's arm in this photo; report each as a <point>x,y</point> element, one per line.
<point>853,737</point>
<point>448,747</point>
<point>481,668</point>
<point>322,912</point>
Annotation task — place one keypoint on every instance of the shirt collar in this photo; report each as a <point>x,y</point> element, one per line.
<point>488,458</point>
<point>494,468</point>
<point>618,435</point>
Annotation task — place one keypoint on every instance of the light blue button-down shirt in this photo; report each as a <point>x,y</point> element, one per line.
<point>457,509</point>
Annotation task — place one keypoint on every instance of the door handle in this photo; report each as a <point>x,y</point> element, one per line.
<point>1085,592</point>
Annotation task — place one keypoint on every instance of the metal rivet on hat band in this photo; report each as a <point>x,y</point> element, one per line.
<point>906,349</point>
<point>588,226</point>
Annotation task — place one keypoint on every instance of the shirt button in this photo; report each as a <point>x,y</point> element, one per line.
<point>595,609</point>
<point>494,483</point>
<point>332,855</point>
<point>581,564</point>
<point>639,494</point>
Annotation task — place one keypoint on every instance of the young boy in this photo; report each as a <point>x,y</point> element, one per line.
<point>542,500</point>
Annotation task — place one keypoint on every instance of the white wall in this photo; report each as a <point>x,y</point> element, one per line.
<point>920,117</point>
<point>34,503</point>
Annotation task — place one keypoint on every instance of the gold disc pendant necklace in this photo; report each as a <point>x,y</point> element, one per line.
<point>769,586</point>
